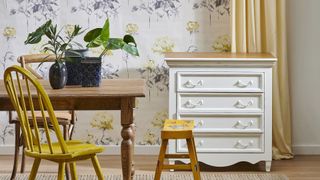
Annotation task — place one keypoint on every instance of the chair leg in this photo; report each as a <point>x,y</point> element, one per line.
<point>70,131</point>
<point>65,136</point>
<point>162,154</point>
<point>16,151</point>
<point>97,167</point>
<point>23,156</point>
<point>34,169</point>
<point>61,170</point>
<point>193,159</point>
<point>73,171</point>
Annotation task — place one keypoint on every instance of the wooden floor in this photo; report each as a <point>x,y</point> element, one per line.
<point>299,168</point>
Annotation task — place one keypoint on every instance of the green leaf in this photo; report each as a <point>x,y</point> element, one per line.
<point>105,33</point>
<point>129,39</point>
<point>114,43</point>
<point>95,43</point>
<point>76,30</point>
<point>92,35</point>
<point>63,46</point>
<point>133,50</point>
<point>35,37</point>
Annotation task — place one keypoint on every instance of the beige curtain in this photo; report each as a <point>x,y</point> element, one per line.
<point>260,26</point>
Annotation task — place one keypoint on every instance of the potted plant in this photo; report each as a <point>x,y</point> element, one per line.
<point>100,37</point>
<point>73,64</point>
<point>58,45</point>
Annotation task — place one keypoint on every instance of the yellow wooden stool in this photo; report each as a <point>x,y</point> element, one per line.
<point>178,129</point>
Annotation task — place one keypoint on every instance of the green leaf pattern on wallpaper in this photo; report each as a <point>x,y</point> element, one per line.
<point>159,26</point>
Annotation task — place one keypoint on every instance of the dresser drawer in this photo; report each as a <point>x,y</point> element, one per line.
<point>226,122</point>
<point>224,143</point>
<point>219,82</point>
<point>220,102</point>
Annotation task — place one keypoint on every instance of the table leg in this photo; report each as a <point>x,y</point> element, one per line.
<point>127,133</point>
<point>133,127</point>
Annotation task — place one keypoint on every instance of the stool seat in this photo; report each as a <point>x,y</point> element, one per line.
<point>178,129</point>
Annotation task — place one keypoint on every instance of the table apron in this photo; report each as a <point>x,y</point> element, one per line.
<point>75,103</point>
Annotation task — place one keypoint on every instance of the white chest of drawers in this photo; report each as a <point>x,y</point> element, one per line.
<point>230,98</point>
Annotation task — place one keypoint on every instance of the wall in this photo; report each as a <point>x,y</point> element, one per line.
<point>158,25</point>
<point>303,53</point>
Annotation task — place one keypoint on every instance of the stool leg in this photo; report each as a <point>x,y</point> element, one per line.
<point>162,154</point>
<point>16,151</point>
<point>193,159</point>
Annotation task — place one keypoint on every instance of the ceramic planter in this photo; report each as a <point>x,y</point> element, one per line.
<point>91,72</point>
<point>73,63</point>
<point>58,75</point>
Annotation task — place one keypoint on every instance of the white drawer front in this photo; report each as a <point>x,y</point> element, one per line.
<point>220,102</point>
<point>225,122</point>
<point>225,143</point>
<point>219,82</point>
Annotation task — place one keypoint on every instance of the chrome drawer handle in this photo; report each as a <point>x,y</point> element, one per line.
<point>240,145</point>
<point>239,104</point>
<point>199,124</point>
<point>241,125</point>
<point>190,84</point>
<point>189,104</point>
<point>241,84</point>
<point>200,143</point>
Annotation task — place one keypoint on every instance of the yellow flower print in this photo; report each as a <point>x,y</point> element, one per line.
<point>150,138</point>
<point>163,45</point>
<point>222,44</point>
<point>192,26</point>
<point>90,138</point>
<point>103,121</point>
<point>68,29</point>
<point>9,32</point>
<point>150,65</point>
<point>159,118</point>
<point>132,28</point>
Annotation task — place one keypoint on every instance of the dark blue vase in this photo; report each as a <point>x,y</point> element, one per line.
<point>58,75</point>
<point>73,63</point>
<point>91,72</point>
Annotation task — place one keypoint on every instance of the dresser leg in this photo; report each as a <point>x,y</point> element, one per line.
<point>268,166</point>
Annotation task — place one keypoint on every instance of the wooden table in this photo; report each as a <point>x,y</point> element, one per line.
<point>111,95</point>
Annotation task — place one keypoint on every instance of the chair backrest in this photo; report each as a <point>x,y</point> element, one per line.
<point>27,94</point>
<point>26,60</point>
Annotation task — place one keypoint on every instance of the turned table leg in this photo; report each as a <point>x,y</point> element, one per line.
<point>127,133</point>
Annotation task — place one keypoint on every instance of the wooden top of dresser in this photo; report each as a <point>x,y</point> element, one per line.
<point>214,55</point>
<point>205,59</point>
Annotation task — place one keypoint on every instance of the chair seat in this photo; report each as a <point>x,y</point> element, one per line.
<point>75,149</point>
<point>63,117</point>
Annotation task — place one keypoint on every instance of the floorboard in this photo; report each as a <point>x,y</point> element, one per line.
<point>299,168</point>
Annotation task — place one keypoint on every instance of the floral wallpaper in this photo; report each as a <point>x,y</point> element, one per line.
<point>159,26</point>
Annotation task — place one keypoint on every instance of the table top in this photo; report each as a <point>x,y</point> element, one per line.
<point>108,88</point>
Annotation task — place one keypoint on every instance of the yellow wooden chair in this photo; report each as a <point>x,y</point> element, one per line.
<point>66,119</point>
<point>178,129</point>
<point>27,94</point>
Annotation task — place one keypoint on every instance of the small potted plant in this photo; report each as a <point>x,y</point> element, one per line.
<point>100,37</point>
<point>58,45</point>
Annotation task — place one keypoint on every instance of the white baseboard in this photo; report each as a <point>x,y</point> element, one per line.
<point>306,149</point>
<point>110,150</point>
